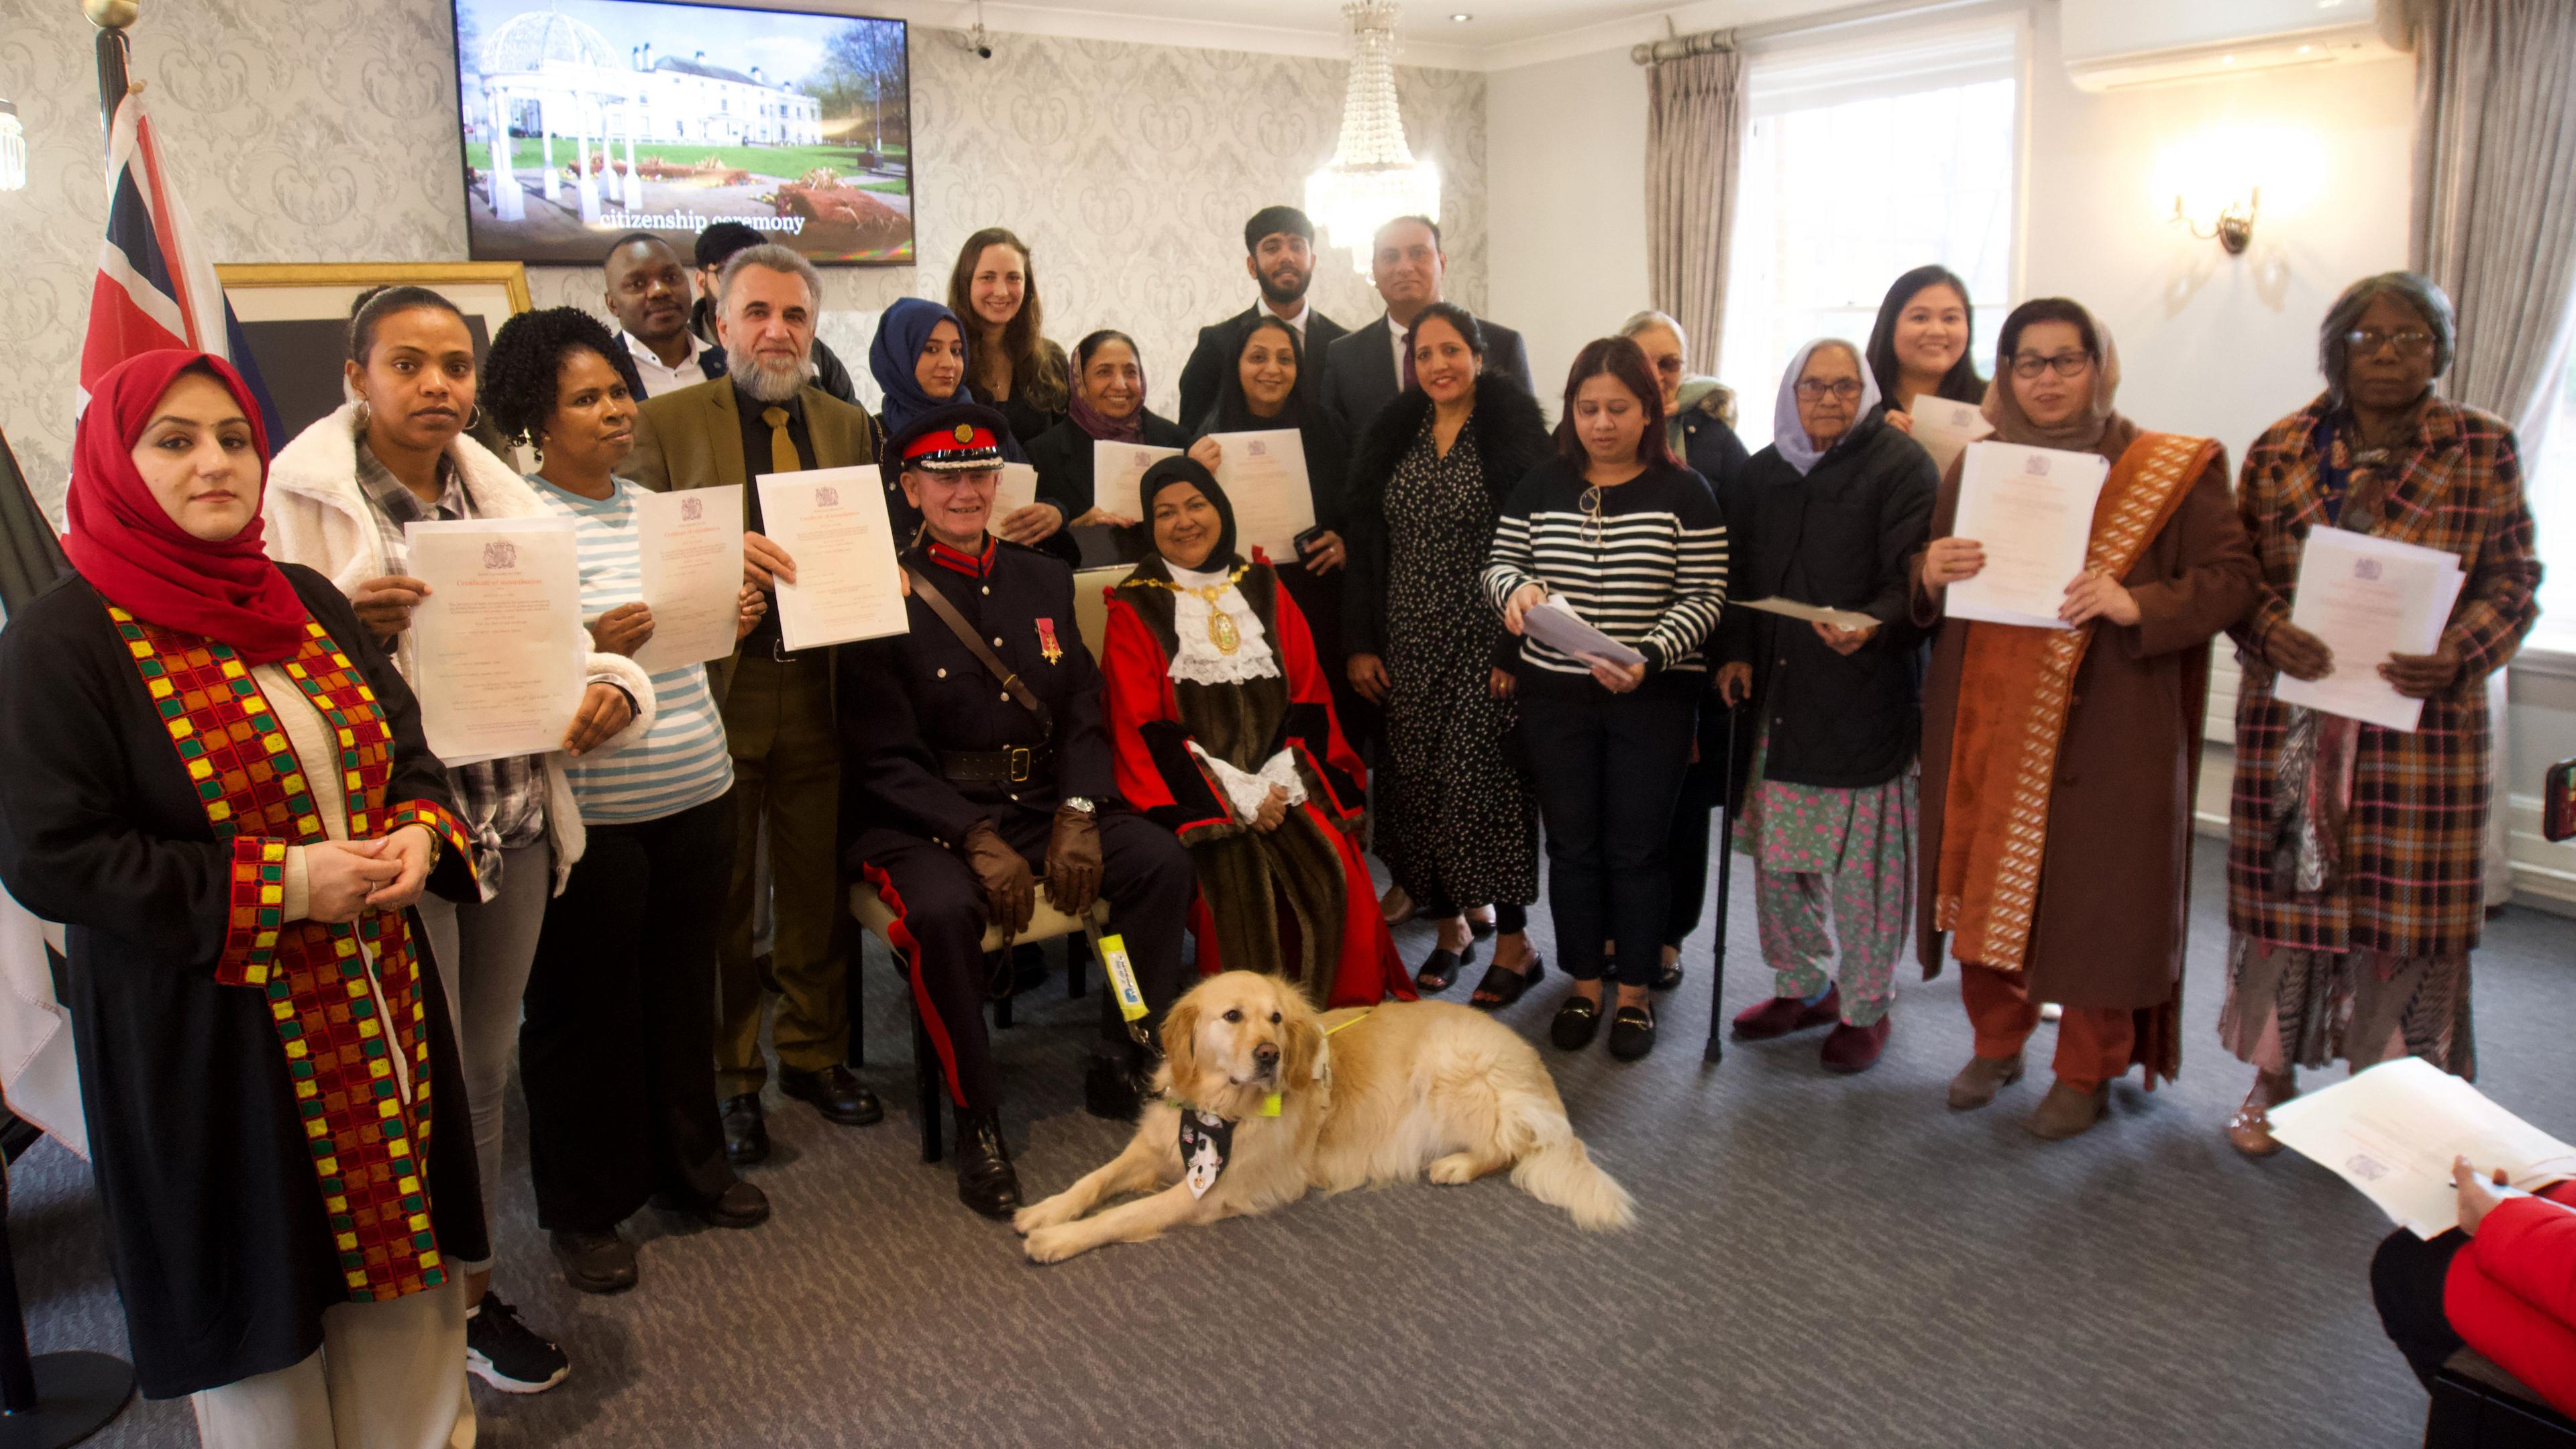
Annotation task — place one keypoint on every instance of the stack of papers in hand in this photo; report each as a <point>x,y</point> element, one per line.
<point>2393,1130</point>
<point>1791,608</point>
<point>2368,598</point>
<point>1556,625</point>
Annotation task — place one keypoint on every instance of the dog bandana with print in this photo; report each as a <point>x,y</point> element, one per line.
<point>1206,1140</point>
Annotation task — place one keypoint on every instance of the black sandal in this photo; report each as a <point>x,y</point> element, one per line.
<point>1576,1020</point>
<point>1506,985</point>
<point>1666,979</point>
<point>1440,969</point>
<point>1480,930</point>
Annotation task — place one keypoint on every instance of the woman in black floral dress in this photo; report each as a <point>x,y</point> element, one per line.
<point>1454,825</point>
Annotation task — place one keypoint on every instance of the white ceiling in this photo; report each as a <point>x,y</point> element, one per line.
<point>1500,34</point>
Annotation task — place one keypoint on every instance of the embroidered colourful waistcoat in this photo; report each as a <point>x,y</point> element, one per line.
<point>345,998</point>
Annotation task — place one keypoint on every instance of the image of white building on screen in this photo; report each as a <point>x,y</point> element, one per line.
<point>551,76</point>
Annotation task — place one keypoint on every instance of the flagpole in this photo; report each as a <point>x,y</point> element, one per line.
<point>111,17</point>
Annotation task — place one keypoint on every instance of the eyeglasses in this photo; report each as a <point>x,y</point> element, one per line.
<point>2068,364</point>
<point>1845,388</point>
<point>2366,342</point>
<point>1590,530</point>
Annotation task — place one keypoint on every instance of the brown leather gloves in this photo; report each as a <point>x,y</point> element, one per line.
<point>1010,894</point>
<point>1073,862</point>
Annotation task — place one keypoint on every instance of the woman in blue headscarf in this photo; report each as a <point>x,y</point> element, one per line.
<point>1831,514</point>
<point>919,362</point>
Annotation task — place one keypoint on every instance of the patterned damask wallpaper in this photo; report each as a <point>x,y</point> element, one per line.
<point>305,132</point>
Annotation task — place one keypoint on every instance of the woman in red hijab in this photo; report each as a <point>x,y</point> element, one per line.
<point>217,781</point>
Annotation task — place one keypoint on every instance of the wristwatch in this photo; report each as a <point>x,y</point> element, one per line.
<point>1081,803</point>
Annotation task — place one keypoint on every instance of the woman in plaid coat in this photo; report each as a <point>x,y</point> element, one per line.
<point>2353,861</point>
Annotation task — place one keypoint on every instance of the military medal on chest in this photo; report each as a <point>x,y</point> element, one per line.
<point>1046,641</point>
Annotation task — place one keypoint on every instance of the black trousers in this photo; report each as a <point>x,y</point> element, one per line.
<point>1607,769</point>
<point>617,1044</point>
<point>2406,1279</point>
<point>939,932</point>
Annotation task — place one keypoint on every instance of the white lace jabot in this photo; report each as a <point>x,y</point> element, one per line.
<point>1197,659</point>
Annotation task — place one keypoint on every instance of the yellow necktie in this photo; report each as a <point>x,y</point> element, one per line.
<point>782,446</point>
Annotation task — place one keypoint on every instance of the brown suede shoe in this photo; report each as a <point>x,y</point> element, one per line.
<point>2067,1112</point>
<point>1980,1079</point>
<point>1851,1049</point>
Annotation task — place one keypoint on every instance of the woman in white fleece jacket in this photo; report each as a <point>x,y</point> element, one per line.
<point>337,500</point>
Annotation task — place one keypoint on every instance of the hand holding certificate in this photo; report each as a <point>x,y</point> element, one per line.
<point>2368,598</point>
<point>1946,428</point>
<point>1851,619</point>
<point>2032,509</point>
<point>689,545</point>
<point>1018,489</point>
<point>1556,625</point>
<point>1264,476</point>
<point>499,640</point>
<point>2393,1131</point>
<point>832,522</point>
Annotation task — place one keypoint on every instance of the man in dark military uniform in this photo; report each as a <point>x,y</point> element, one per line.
<point>969,785</point>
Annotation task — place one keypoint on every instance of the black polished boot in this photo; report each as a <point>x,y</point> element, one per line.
<point>1114,1087</point>
<point>985,1179</point>
<point>836,1092</point>
<point>746,1131</point>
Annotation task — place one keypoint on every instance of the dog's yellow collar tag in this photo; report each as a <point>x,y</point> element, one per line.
<point>1270,1105</point>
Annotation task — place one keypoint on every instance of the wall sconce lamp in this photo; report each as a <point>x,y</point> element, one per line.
<point>2232,228</point>
<point>13,149</point>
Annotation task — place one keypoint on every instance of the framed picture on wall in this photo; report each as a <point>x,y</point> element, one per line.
<point>296,318</point>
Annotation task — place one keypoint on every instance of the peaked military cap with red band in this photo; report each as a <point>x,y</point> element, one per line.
<point>957,438</point>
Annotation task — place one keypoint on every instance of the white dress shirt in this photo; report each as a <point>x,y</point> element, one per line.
<point>1262,306</point>
<point>659,379</point>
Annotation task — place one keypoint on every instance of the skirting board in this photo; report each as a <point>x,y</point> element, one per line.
<point>2544,874</point>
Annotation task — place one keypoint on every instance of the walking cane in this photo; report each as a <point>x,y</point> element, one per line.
<point>1716,1051</point>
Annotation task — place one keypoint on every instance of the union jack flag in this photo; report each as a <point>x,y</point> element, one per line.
<point>156,288</point>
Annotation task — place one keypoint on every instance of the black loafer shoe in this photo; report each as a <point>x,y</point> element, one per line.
<point>746,1131</point>
<point>1632,1033</point>
<point>1576,1020</point>
<point>1112,1091</point>
<point>595,1262</point>
<point>739,1206</point>
<point>836,1092</point>
<point>986,1181</point>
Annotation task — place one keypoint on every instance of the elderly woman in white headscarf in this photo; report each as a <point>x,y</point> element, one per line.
<point>1831,514</point>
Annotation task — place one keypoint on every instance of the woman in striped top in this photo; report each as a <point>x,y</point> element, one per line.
<point>1615,531</point>
<point>617,1051</point>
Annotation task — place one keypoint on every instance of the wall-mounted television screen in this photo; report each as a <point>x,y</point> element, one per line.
<point>582,120</point>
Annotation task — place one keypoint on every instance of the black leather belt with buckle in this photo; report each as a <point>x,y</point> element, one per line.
<point>997,767</point>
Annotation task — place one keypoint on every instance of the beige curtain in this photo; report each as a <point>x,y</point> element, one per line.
<point>1694,150</point>
<point>2495,224</point>
<point>2495,191</point>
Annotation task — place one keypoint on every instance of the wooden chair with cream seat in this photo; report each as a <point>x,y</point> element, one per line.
<point>1046,923</point>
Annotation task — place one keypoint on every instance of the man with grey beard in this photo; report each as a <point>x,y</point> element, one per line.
<point>766,415</point>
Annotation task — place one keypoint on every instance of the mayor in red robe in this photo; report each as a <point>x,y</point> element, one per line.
<point>1222,728</point>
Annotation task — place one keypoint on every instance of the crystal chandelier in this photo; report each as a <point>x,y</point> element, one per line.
<point>13,149</point>
<point>1373,178</point>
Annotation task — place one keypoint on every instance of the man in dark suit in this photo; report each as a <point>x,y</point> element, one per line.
<point>1366,369</point>
<point>768,416</point>
<point>1279,247</point>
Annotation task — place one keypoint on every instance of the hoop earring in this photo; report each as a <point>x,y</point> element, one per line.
<point>366,419</point>
<point>474,419</point>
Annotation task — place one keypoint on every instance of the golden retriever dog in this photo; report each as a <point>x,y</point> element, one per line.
<point>1365,1095</point>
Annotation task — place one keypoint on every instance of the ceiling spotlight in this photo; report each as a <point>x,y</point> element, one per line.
<point>1461,17</point>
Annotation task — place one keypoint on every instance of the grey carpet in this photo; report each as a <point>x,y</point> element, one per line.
<point>1822,1261</point>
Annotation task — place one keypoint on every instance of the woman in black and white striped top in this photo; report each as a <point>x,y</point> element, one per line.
<point>1632,543</point>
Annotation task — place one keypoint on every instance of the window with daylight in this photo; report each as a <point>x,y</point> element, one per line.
<point>1865,157</point>
<point>2549,481</point>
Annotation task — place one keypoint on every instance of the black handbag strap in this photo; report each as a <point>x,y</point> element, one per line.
<point>1012,684</point>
